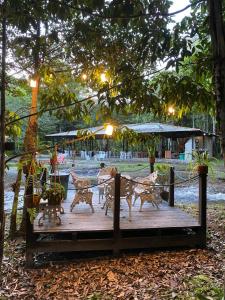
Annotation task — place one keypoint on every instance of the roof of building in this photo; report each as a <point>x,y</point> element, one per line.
<point>166,130</point>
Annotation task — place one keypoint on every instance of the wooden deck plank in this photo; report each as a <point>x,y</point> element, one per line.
<point>81,219</point>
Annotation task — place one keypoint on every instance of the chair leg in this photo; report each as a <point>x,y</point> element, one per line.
<point>135,198</point>
<point>142,202</point>
<point>72,206</point>
<point>106,209</point>
<point>92,208</point>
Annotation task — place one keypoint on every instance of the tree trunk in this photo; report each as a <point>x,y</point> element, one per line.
<point>30,140</point>
<point>13,217</point>
<point>217,31</point>
<point>30,143</point>
<point>2,138</point>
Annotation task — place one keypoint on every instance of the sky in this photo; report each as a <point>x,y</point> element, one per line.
<point>179,4</point>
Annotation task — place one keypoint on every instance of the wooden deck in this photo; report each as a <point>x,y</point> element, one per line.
<point>81,219</point>
<point>82,230</point>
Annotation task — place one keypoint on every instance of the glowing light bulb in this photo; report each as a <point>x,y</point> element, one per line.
<point>103,77</point>
<point>109,129</point>
<point>33,83</point>
<point>171,110</point>
<point>84,76</point>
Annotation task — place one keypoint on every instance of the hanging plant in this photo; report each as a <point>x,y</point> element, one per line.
<point>29,165</point>
<point>53,161</point>
<point>32,200</point>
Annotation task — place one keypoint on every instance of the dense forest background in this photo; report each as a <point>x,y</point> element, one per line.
<point>48,123</point>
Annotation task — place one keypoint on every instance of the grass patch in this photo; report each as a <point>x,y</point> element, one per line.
<point>204,288</point>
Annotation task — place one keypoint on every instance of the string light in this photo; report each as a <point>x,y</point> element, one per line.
<point>84,76</point>
<point>109,129</point>
<point>103,77</point>
<point>171,110</point>
<point>33,83</point>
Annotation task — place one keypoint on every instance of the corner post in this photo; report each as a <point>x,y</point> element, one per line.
<point>116,215</point>
<point>203,171</point>
<point>171,188</point>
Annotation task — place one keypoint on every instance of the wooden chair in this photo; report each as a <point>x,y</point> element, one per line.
<point>83,193</point>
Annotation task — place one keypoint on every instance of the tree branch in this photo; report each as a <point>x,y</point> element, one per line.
<point>91,13</point>
<point>83,100</point>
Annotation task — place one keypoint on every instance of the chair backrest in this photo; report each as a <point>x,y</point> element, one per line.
<point>147,183</point>
<point>152,177</point>
<point>126,186</point>
<point>80,182</point>
<point>107,171</point>
<point>74,177</point>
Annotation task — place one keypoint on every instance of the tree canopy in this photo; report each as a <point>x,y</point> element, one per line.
<point>72,45</point>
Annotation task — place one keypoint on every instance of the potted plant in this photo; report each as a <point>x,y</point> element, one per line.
<point>54,193</point>
<point>201,162</point>
<point>163,179</point>
<point>151,147</point>
<point>151,155</point>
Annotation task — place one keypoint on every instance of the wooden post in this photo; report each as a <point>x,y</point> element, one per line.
<point>171,188</point>
<point>203,171</point>
<point>116,215</point>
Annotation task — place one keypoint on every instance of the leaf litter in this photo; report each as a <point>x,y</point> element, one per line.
<point>147,275</point>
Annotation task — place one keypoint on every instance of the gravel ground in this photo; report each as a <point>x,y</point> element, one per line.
<point>185,193</point>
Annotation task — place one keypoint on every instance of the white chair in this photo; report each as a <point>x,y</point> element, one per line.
<point>101,155</point>
<point>83,193</point>
<point>146,190</point>
<point>103,175</point>
<point>129,155</point>
<point>122,155</point>
<point>82,154</point>
<point>126,192</point>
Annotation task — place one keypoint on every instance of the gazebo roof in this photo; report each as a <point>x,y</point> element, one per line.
<point>166,130</point>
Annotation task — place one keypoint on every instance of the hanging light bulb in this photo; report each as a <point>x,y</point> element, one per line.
<point>103,77</point>
<point>109,129</point>
<point>33,83</point>
<point>84,76</point>
<point>171,110</point>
